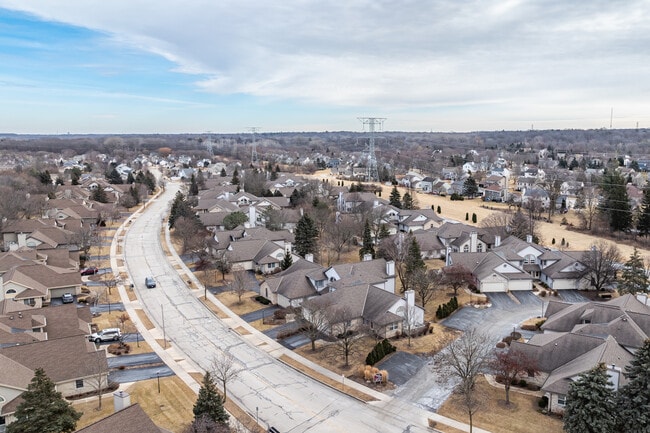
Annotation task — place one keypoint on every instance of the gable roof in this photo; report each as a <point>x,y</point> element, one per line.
<point>131,419</point>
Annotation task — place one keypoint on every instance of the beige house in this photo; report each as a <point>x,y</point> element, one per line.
<point>37,284</point>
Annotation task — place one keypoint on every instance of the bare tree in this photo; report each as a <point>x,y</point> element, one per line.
<point>410,320</point>
<point>466,358</point>
<point>346,333</point>
<point>551,184</point>
<point>456,276</point>
<point>396,248</point>
<point>99,377</point>
<point>205,424</point>
<point>224,369</point>
<point>424,283</point>
<point>239,284</point>
<point>510,364</point>
<point>191,233</point>
<point>587,206</point>
<point>222,263</point>
<point>315,321</point>
<point>601,263</point>
<point>339,234</point>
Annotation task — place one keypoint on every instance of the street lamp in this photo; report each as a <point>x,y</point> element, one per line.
<point>257,415</point>
<point>158,377</point>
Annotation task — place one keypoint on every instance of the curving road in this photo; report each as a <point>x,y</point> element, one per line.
<point>283,397</point>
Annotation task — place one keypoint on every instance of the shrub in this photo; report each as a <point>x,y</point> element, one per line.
<point>542,293</point>
<point>539,324</point>
<point>543,402</point>
<point>516,335</point>
<point>456,197</point>
<point>507,340</point>
<point>262,300</point>
<point>280,314</point>
<point>501,345</point>
<point>378,352</point>
<point>523,383</point>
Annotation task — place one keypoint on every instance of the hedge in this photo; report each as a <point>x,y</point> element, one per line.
<point>378,352</point>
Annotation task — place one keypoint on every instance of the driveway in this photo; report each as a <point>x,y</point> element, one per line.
<point>136,374</point>
<point>573,296</point>
<point>106,308</point>
<point>133,360</point>
<point>260,314</point>
<point>401,366</point>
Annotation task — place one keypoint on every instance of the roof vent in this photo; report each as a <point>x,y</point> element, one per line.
<point>11,317</point>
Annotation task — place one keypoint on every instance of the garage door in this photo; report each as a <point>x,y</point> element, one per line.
<point>492,287</point>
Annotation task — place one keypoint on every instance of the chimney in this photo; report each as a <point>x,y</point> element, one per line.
<point>410,298</point>
<point>367,257</point>
<point>252,216</point>
<point>473,236</point>
<point>497,241</point>
<point>121,400</point>
<point>448,257</point>
<point>390,268</point>
<point>529,239</point>
<point>287,247</point>
<point>309,257</point>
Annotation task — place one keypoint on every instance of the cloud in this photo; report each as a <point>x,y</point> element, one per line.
<point>393,55</point>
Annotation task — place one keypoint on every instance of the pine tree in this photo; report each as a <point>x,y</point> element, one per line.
<point>633,278</point>
<point>43,409</point>
<point>395,198</point>
<point>235,177</point>
<point>194,187</point>
<point>643,224</point>
<point>114,177</point>
<point>367,246</point>
<point>470,188</point>
<point>286,262</point>
<point>209,403</point>
<point>407,201</point>
<point>305,236</point>
<point>590,403</point>
<point>383,232</point>
<point>180,208</point>
<point>99,194</point>
<point>413,262</point>
<point>633,398</point>
<point>223,172</point>
<point>616,203</point>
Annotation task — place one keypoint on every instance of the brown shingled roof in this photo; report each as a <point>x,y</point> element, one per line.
<point>131,419</point>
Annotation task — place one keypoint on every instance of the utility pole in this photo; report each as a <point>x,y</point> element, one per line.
<point>254,157</point>
<point>373,173</point>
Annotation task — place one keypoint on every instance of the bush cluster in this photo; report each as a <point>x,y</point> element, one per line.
<point>444,310</point>
<point>456,197</point>
<point>378,352</point>
<point>262,300</point>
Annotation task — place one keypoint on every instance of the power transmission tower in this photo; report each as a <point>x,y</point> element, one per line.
<point>373,173</point>
<point>254,157</point>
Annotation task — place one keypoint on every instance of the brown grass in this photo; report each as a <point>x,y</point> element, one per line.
<point>165,344</point>
<point>242,331</point>
<point>521,416</point>
<point>247,305</point>
<point>170,409</point>
<point>216,310</point>
<point>339,385</point>
<point>144,319</point>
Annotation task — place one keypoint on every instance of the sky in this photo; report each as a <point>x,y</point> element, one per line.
<point>224,66</point>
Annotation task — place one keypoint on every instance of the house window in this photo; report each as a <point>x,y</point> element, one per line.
<point>393,326</point>
<point>79,383</point>
<point>466,249</point>
<point>479,248</point>
<point>561,400</point>
<point>10,291</point>
<point>529,259</point>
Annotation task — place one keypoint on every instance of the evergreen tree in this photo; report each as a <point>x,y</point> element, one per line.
<point>643,224</point>
<point>43,409</point>
<point>633,278</point>
<point>235,177</point>
<point>590,403</point>
<point>305,236</point>
<point>114,177</point>
<point>474,218</point>
<point>194,187</point>
<point>75,176</point>
<point>407,201</point>
<point>383,232</point>
<point>99,195</point>
<point>234,219</point>
<point>413,263</point>
<point>367,245</point>
<point>395,198</point>
<point>223,172</point>
<point>616,203</point>
<point>209,403</point>
<point>286,262</point>
<point>200,180</point>
<point>44,177</point>
<point>633,398</point>
<point>130,179</point>
<point>438,210</point>
<point>470,188</point>
<point>180,208</point>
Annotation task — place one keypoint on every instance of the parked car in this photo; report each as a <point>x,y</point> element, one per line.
<point>150,282</point>
<point>109,334</point>
<point>67,298</point>
<point>89,271</point>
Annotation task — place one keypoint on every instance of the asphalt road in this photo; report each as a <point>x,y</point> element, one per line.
<point>282,396</point>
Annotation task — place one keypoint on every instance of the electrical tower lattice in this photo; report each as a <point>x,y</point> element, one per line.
<point>254,157</point>
<point>373,173</point>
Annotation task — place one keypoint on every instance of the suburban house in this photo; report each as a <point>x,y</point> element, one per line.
<point>35,284</point>
<point>385,314</point>
<point>129,419</point>
<point>578,337</point>
<point>491,272</point>
<point>258,255</point>
<point>417,219</point>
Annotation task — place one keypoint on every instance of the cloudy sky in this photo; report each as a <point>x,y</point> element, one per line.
<point>147,66</point>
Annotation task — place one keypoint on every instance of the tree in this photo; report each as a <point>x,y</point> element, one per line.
<point>347,336</point>
<point>209,403</point>
<point>180,208</point>
<point>470,188</point>
<point>643,223</point>
<point>114,177</point>
<point>239,284</point>
<point>99,195</point>
<point>194,187</point>
<point>315,321</point>
<point>395,199</point>
<point>407,201</point>
<point>552,185</point>
<point>466,358</point>
<point>456,276</point>
<point>633,398</point>
<point>222,263</point>
<point>305,236</point>
<point>224,369</point>
<point>235,177</point>
<point>634,277</point>
<point>223,173</point>
<point>424,283</point>
<point>367,246</point>
<point>205,425</point>
<point>43,409</point>
<point>191,233</point>
<point>601,263</point>
<point>413,262</point>
<point>235,219</point>
<point>590,403</point>
<point>396,248</point>
<point>287,261</point>
<point>615,205</point>
<point>511,364</point>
